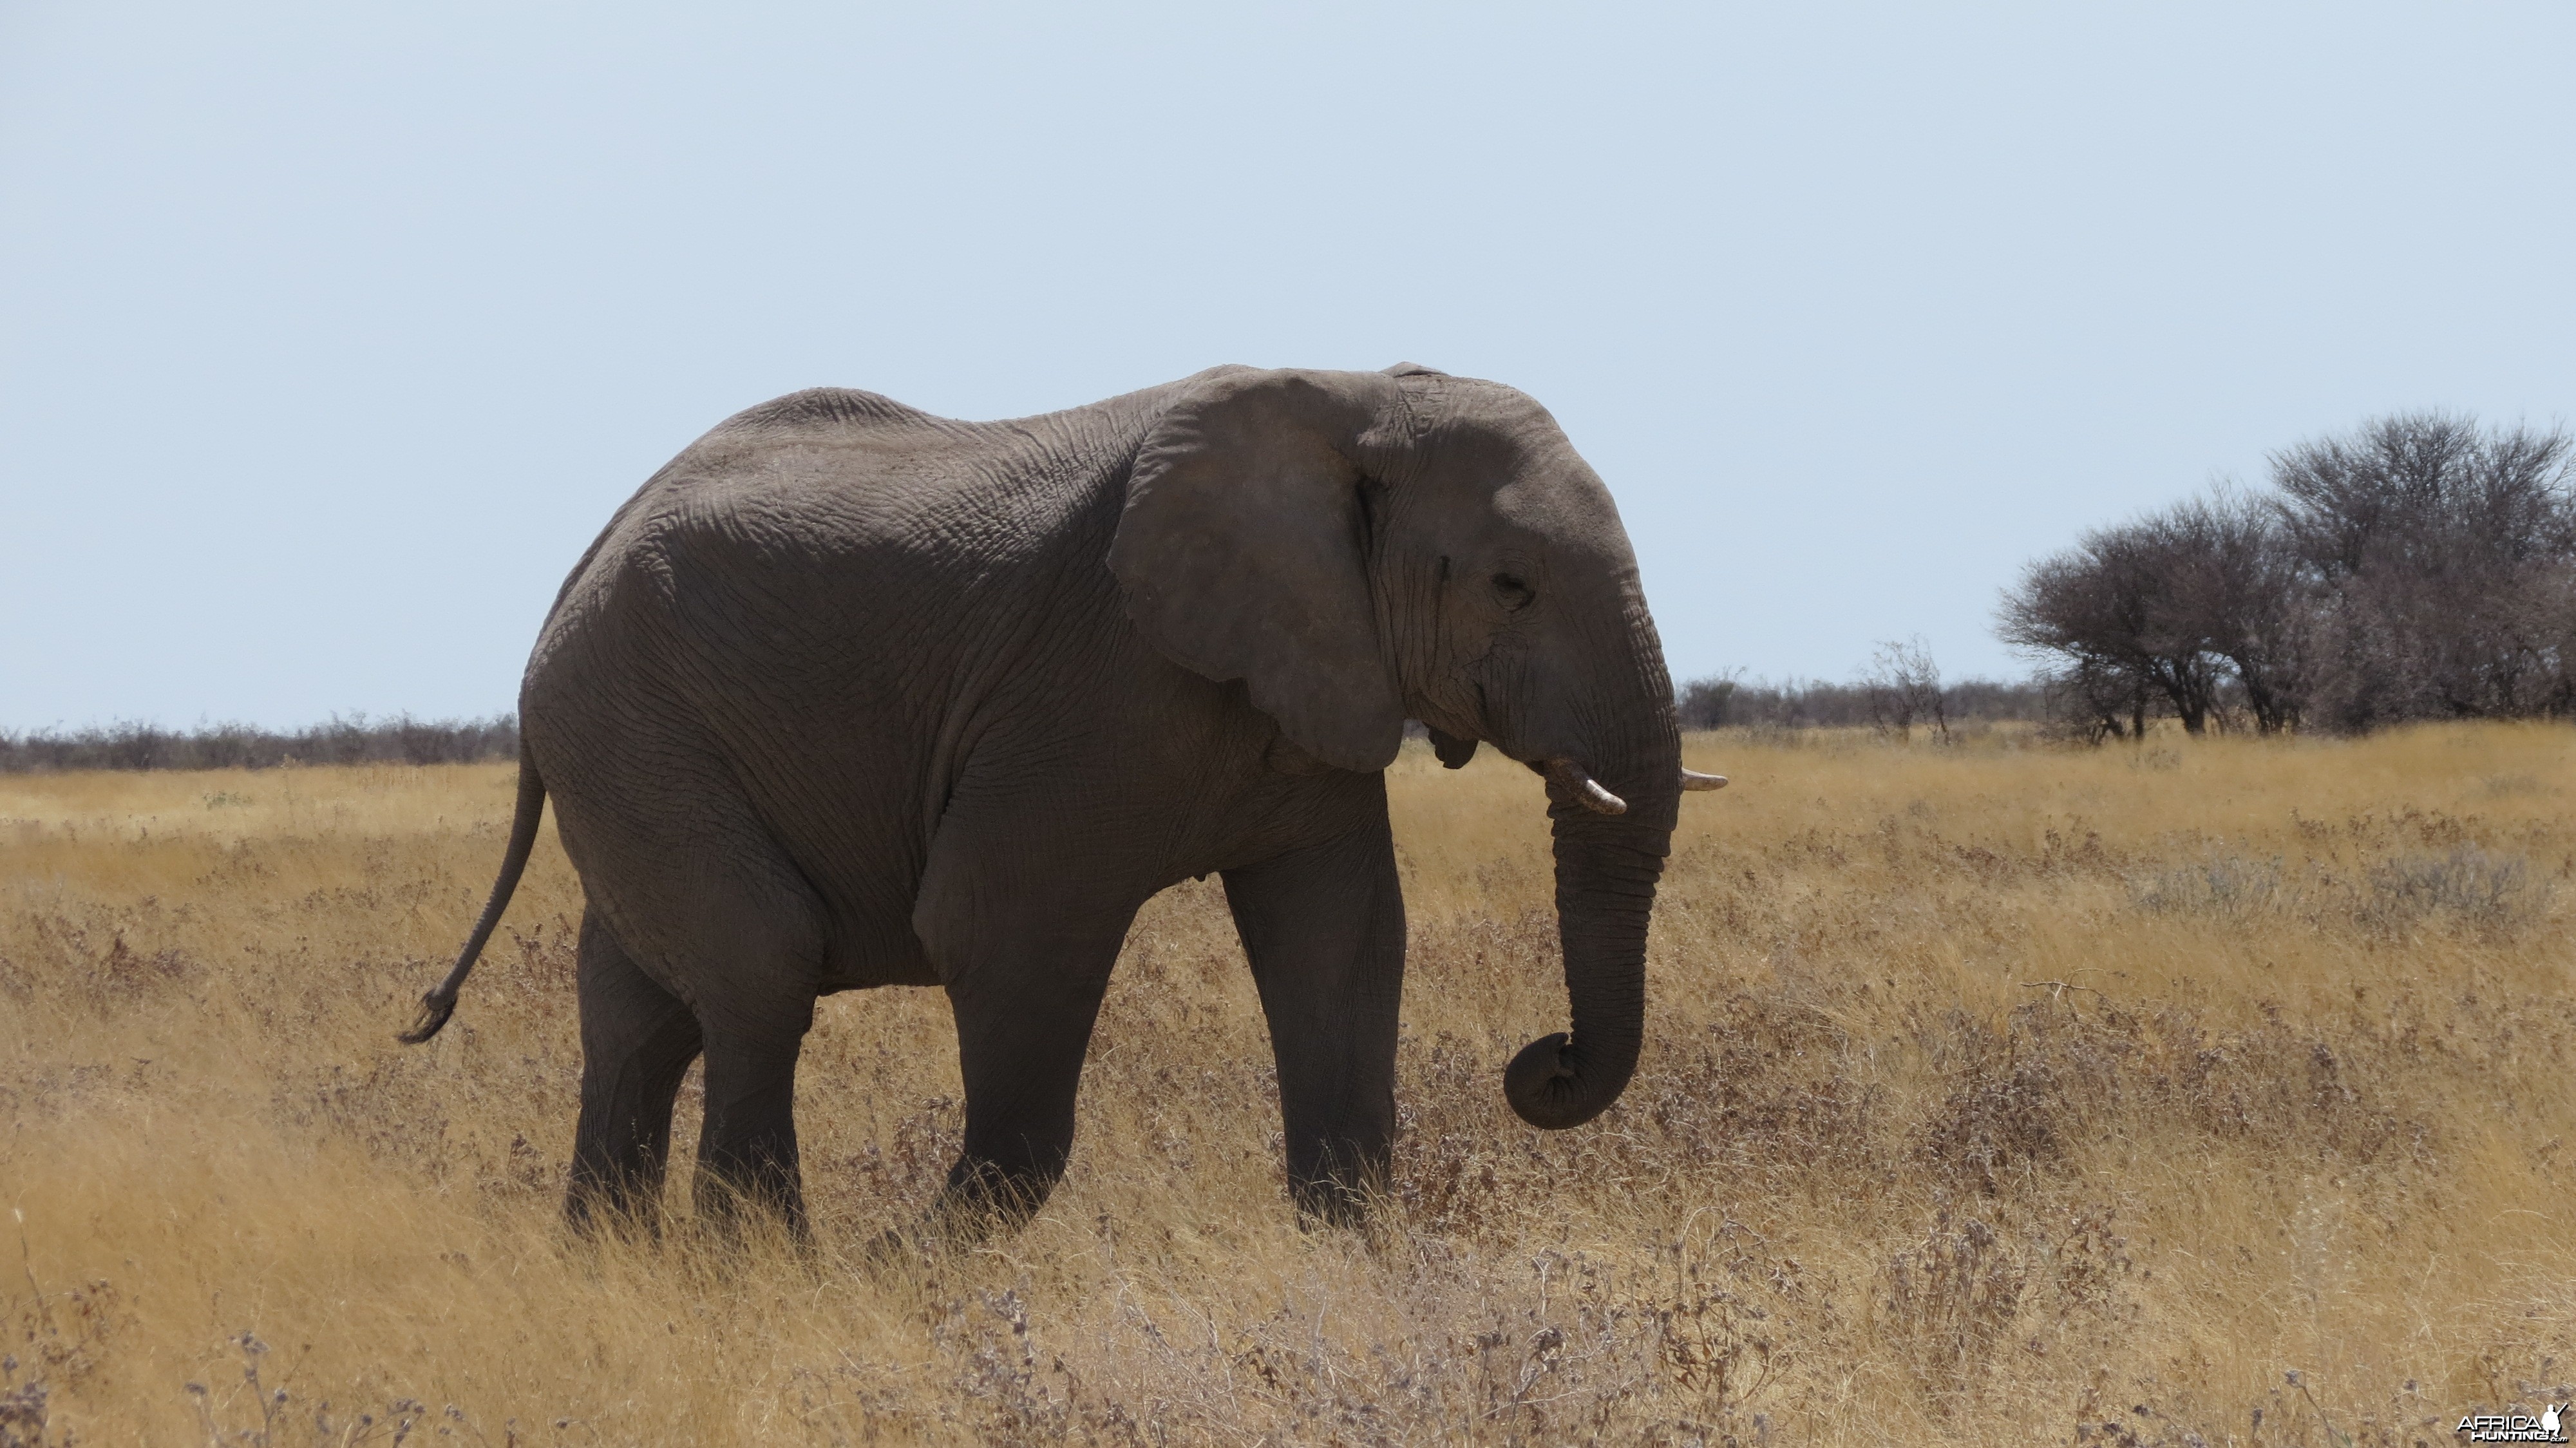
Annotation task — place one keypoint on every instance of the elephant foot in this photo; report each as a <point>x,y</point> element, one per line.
<point>984,1200</point>
<point>613,1203</point>
<point>909,1253</point>
<point>732,1212</point>
<point>596,1214</point>
<point>1332,1204</point>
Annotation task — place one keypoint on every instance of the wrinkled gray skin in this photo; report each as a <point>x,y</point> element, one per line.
<point>849,695</point>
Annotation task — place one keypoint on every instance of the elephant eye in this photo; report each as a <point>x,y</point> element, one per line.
<point>1515,594</point>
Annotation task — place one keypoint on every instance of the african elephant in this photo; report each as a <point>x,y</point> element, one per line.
<point>849,695</point>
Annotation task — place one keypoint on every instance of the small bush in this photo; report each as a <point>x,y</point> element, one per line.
<point>2228,885</point>
<point>2466,883</point>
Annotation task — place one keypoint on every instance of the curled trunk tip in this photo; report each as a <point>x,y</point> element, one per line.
<point>1549,1086</point>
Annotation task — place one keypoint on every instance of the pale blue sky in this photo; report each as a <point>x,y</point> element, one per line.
<point>330,334</point>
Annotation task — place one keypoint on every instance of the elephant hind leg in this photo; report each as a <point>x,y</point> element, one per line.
<point>716,915</point>
<point>637,1040</point>
<point>747,1155</point>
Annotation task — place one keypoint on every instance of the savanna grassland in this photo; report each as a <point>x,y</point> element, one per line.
<point>2194,1092</point>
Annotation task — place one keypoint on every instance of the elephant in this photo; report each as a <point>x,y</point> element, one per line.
<point>850,695</point>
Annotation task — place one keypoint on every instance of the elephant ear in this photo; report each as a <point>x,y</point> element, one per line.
<point>1243,552</point>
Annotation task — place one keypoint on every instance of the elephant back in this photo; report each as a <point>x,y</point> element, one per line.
<point>827,407</point>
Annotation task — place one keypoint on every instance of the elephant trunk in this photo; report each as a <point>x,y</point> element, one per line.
<point>1605,891</point>
<point>1606,869</point>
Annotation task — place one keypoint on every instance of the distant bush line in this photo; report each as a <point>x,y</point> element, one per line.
<point>1879,702</point>
<point>354,740</point>
<point>1705,704</point>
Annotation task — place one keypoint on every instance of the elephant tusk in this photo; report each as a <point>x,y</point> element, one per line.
<point>1693,779</point>
<point>1585,788</point>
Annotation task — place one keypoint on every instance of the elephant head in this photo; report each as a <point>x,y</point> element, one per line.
<point>1362,548</point>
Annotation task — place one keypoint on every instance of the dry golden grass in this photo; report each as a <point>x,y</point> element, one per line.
<point>2216,1092</point>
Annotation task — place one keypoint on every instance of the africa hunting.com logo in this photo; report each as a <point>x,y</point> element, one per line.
<point>2515,1427</point>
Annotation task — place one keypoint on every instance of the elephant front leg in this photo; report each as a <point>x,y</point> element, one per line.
<point>1022,908</point>
<point>1324,928</point>
<point>1022,1031</point>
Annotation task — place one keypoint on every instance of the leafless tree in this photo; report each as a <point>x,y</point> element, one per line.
<point>2232,592</point>
<point>2439,560</point>
<point>2122,604</point>
<point>1904,688</point>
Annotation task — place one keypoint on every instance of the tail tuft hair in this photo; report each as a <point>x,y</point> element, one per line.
<point>435,1008</point>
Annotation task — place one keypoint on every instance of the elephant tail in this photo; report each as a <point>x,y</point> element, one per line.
<point>440,1003</point>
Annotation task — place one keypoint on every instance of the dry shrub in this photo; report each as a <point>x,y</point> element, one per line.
<point>1990,1092</point>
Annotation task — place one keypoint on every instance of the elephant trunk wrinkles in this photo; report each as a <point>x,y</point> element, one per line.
<point>1606,870</point>
<point>1605,891</point>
